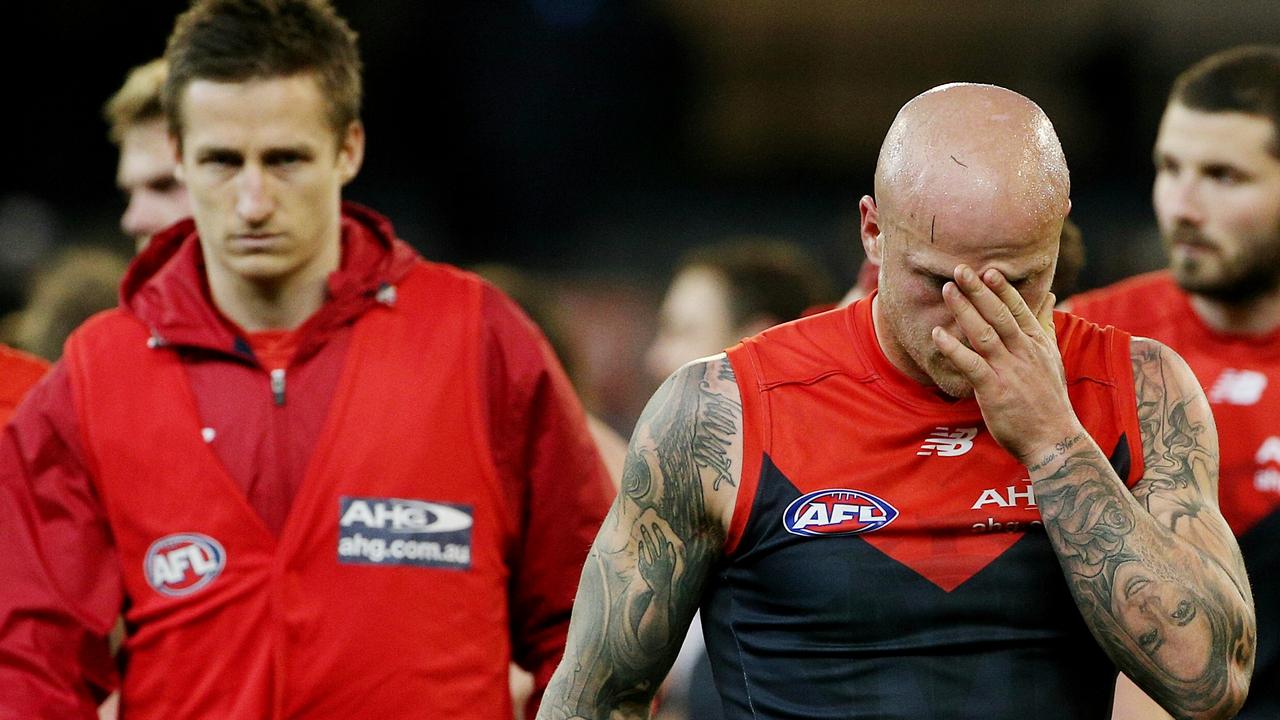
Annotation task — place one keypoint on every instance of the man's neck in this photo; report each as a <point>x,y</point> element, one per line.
<point>274,304</point>
<point>1257,316</point>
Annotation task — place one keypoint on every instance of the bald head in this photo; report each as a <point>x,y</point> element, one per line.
<point>962,156</point>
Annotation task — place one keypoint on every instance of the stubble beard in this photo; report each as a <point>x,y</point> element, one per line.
<point>1237,279</point>
<point>940,370</point>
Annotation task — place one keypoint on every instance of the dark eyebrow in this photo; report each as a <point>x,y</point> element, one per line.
<point>286,152</point>
<point>217,153</point>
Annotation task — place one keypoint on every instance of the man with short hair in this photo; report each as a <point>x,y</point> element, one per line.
<point>320,476</point>
<point>146,172</point>
<point>944,500</point>
<point>1217,200</point>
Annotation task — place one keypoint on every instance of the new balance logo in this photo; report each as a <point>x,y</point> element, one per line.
<point>1238,387</point>
<point>948,442</point>
<point>1269,451</point>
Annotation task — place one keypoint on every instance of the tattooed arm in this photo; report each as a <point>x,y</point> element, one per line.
<point>1156,574</point>
<point>644,576</point>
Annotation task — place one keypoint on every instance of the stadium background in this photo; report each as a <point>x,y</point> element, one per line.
<point>594,140</point>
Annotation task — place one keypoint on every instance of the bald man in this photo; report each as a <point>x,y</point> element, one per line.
<point>943,501</point>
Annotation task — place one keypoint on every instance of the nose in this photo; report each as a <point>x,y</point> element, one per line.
<point>139,219</point>
<point>1179,200</point>
<point>254,203</point>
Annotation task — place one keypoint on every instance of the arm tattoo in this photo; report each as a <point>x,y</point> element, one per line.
<point>1164,590</point>
<point>645,572</point>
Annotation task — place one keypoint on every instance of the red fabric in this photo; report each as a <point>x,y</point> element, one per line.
<point>273,348</point>
<point>18,373</point>
<point>272,600</point>
<point>55,614</point>
<point>808,382</point>
<point>1240,375</point>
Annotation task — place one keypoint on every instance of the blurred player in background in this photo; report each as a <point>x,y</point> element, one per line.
<point>146,172</point>
<point>1217,201</point>
<point>723,292</point>
<point>18,373</point>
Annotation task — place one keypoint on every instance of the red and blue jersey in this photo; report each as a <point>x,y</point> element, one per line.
<point>886,558</point>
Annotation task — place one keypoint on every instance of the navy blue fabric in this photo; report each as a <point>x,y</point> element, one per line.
<point>830,627</point>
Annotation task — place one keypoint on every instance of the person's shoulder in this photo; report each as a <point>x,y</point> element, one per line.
<point>19,371</point>
<point>1134,294</point>
<point>19,364</point>
<point>801,350</point>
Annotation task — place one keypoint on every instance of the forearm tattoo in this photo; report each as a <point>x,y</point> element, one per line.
<point>646,570</point>
<point>1156,573</point>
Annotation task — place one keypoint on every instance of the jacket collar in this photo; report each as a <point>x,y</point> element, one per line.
<point>166,286</point>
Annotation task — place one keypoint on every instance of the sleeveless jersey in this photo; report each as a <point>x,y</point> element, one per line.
<point>1240,375</point>
<point>385,593</point>
<point>886,557</point>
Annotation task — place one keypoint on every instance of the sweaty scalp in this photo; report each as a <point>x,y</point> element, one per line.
<point>964,153</point>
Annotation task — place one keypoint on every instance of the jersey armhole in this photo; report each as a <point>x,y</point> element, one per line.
<point>755,424</point>
<point>1126,405</point>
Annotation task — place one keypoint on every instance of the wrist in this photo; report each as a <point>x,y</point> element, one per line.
<point>1047,454</point>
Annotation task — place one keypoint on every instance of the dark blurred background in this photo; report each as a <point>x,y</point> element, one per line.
<point>594,140</point>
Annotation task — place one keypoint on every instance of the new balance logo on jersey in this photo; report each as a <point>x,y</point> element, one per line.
<point>1269,451</point>
<point>948,442</point>
<point>1238,387</point>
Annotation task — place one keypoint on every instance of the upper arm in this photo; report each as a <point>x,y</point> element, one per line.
<point>544,455</point>
<point>650,561</point>
<point>1179,486</point>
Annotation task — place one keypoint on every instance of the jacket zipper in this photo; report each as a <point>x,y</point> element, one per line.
<point>278,386</point>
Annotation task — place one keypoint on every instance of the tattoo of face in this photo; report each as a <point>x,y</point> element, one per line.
<point>647,567</point>
<point>1167,611</point>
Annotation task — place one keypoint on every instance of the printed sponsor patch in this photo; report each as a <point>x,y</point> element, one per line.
<point>396,531</point>
<point>837,512</point>
<point>180,564</point>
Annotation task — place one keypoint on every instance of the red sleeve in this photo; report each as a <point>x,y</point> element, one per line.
<point>546,455</point>
<point>62,588</point>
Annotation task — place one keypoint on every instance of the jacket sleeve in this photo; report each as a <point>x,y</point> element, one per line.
<point>60,583</point>
<point>545,454</point>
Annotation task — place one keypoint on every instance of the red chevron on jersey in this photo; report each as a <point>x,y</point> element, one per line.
<point>869,452</point>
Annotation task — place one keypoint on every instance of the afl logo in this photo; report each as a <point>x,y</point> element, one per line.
<point>181,564</point>
<point>837,512</point>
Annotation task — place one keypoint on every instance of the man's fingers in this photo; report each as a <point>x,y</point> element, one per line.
<point>981,335</point>
<point>1012,300</point>
<point>970,364</point>
<point>1045,315</point>
<point>993,309</point>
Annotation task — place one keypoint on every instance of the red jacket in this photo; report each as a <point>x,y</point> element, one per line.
<point>18,372</point>
<point>64,581</point>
